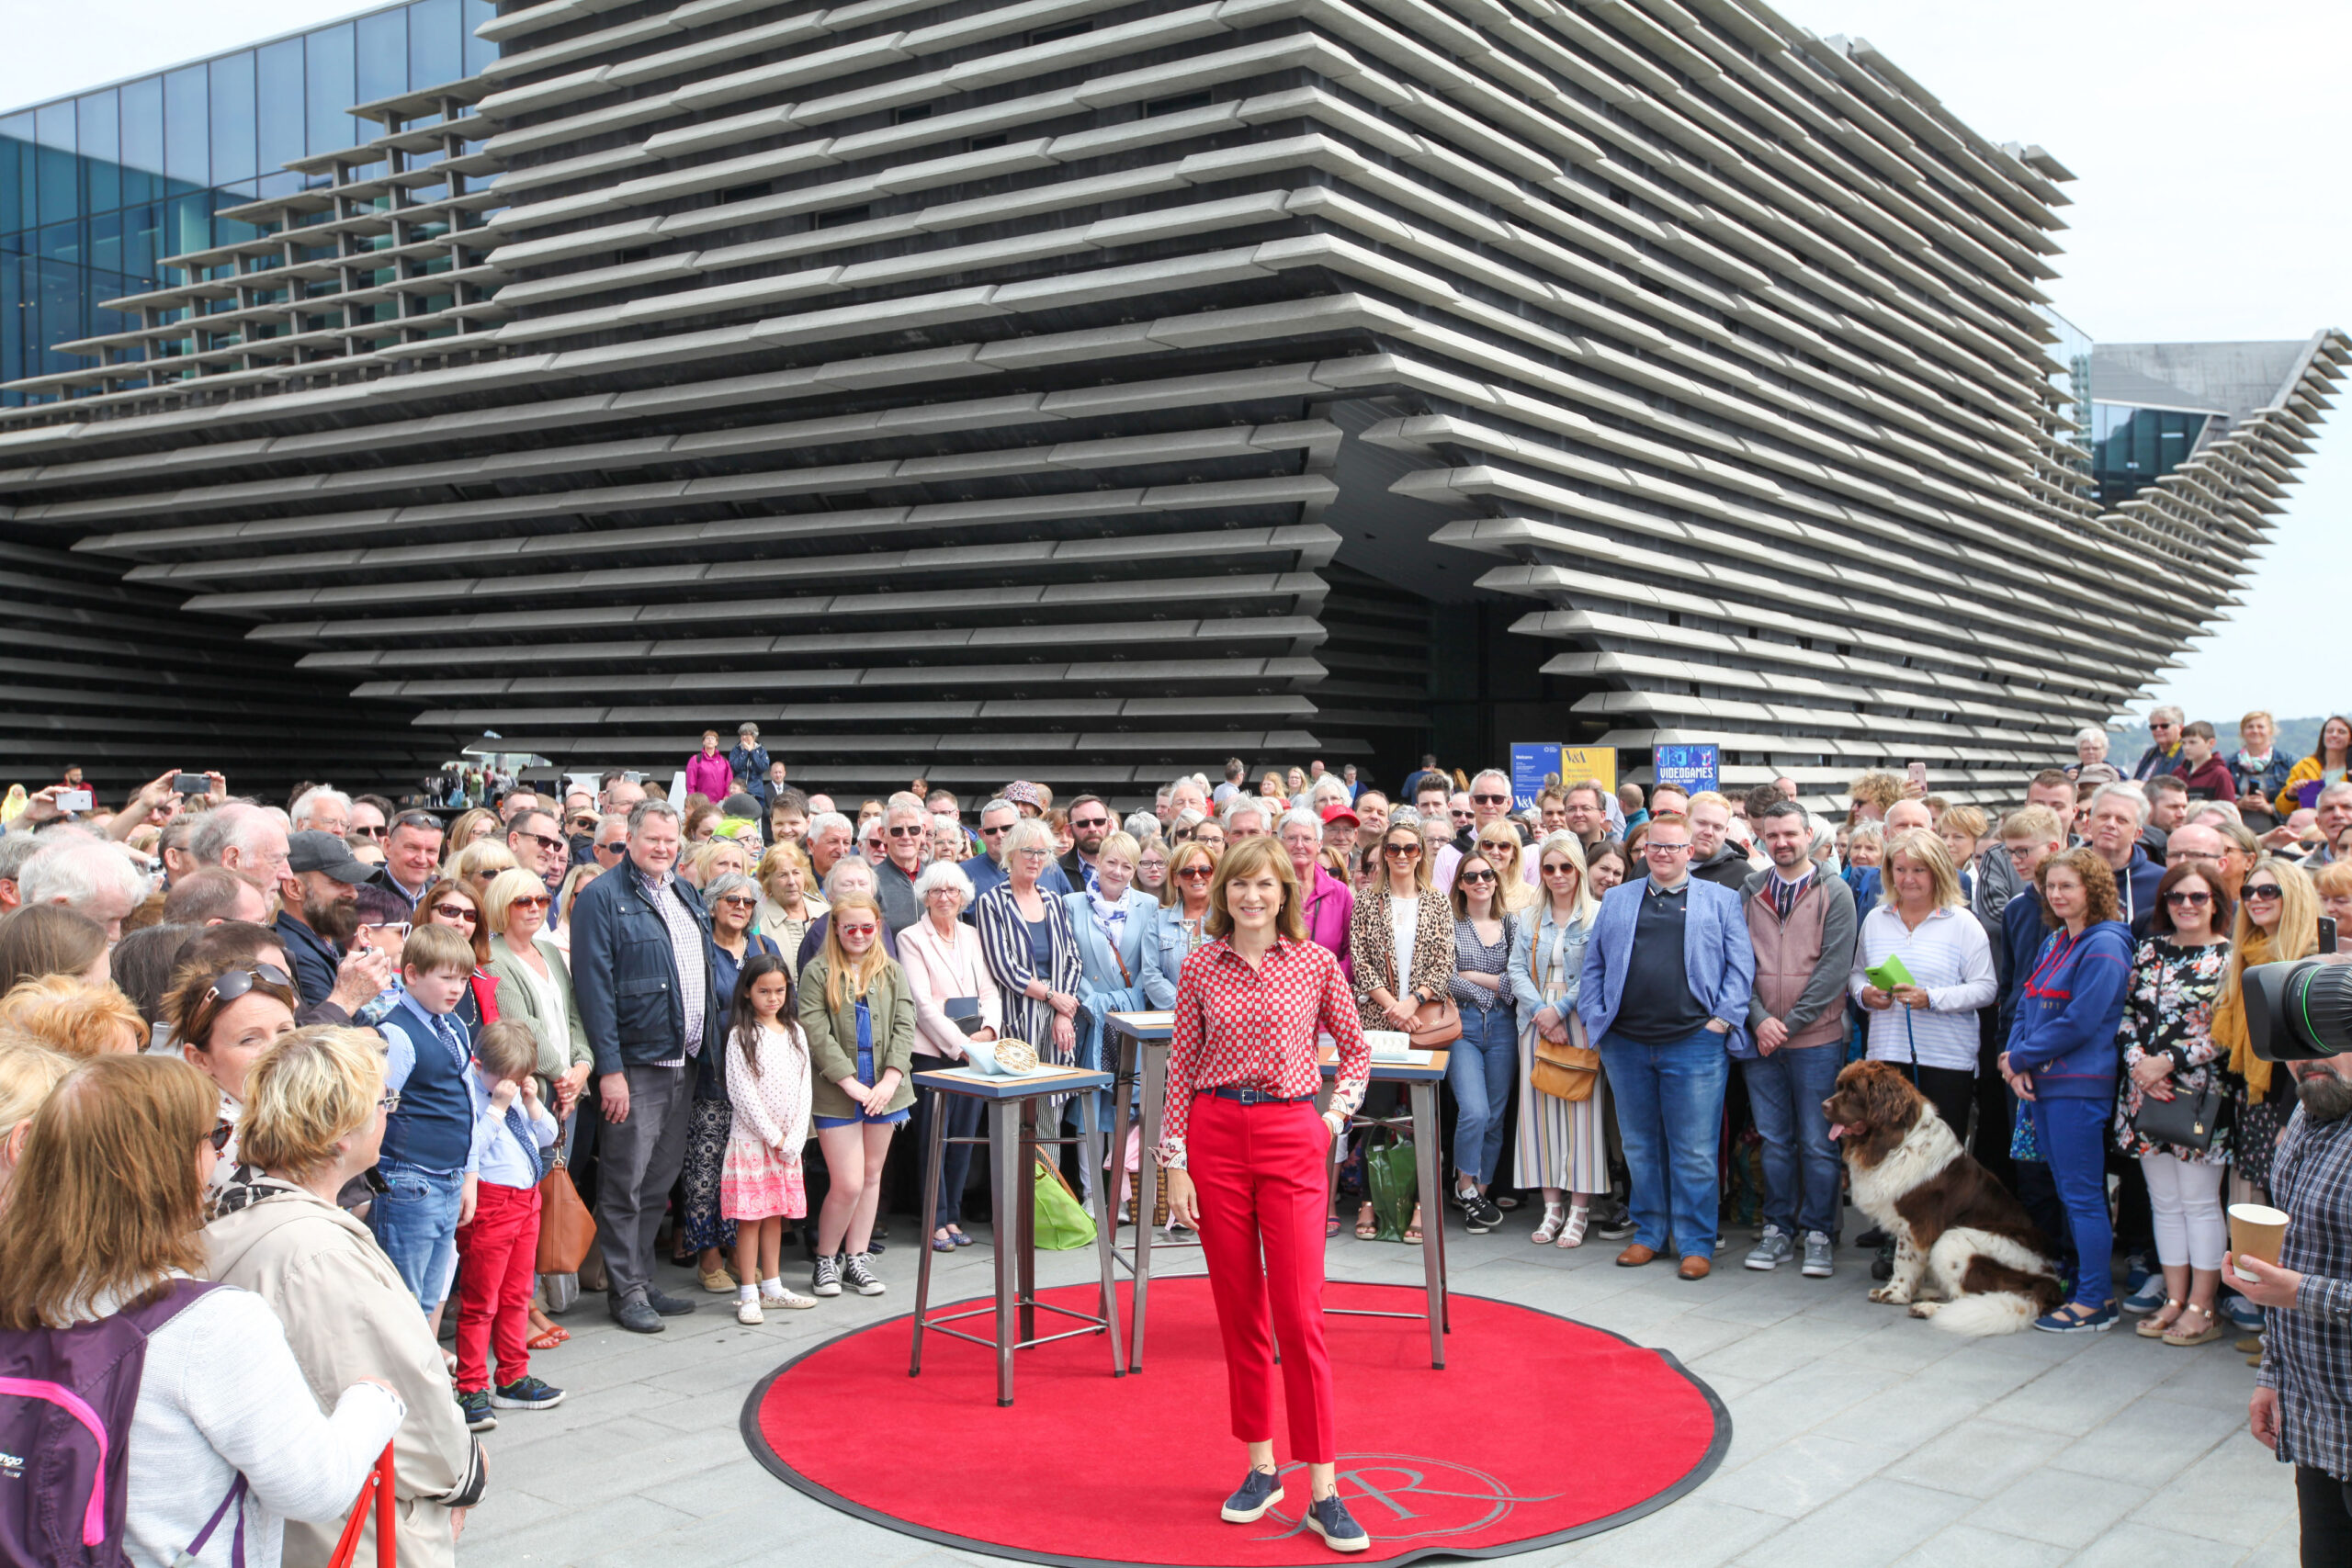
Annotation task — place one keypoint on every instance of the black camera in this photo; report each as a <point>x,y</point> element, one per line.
<point>2299,1010</point>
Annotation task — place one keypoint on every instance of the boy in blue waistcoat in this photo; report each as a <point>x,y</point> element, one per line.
<point>428,1139</point>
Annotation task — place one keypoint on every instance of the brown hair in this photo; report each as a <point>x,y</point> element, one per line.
<point>1461,900</point>
<point>1250,857</point>
<point>2098,886</point>
<point>508,1048</point>
<point>75,1016</point>
<point>307,1090</point>
<point>2205,871</point>
<point>193,1009</point>
<point>47,939</point>
<point>442,887</point>
<point>430,950</point>
<point>113,1154</point>
<point>1422,857</point>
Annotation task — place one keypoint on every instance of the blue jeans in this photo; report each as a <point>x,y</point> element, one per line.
<point>2074,1137</point>
<point>1800,1163</point>
<point>1480,1071</point>
<point>415,1221</point>
<point>1670,1115</point>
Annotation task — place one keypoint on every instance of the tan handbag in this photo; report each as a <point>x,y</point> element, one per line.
<point>1435,1023</point>
<point>1567,1071</point>
<point>567,1230</point>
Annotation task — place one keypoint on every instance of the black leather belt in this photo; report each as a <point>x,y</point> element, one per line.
<point>1258,1096</point>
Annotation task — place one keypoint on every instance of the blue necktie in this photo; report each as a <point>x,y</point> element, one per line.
<point>522,1126</point>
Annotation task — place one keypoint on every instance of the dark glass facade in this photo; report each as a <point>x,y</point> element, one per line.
<point>94,190</point>
<point>2133,447</point>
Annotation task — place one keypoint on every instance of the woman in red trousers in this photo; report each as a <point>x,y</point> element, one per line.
<point>1248,1161</point>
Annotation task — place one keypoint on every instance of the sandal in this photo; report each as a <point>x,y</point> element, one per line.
<point>2157,1322</point>
<point>2205,1335</point>
<point>1412,1236</point>
<point>1367,1227</point>
<point>549,1340</point>
<point>1330,1226</point>
<point>1556,1218</point>
<point>1572,1234</point>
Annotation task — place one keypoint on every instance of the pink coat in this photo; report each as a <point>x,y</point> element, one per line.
<point>710,777</point>
<point>1329,907</point>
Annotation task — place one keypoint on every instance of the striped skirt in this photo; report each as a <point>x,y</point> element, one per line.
<point>1562,1144</point>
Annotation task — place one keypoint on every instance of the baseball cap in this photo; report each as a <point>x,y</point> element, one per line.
<point>1020,792</point>
<point>1335,812</point>
<point>326,852</point>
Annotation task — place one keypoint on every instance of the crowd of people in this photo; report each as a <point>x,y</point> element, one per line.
<point>351,1054</point>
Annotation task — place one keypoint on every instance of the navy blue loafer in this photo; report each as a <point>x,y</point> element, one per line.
<point>1328,1518</point>
<point>1260,1490</point>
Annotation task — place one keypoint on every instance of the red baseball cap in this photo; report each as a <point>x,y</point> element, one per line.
<point>1336,812</point>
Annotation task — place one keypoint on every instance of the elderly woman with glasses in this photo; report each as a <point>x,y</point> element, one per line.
<point>1031,948</point>
<point>222,1017</point>
<point>956,1001</point>
<point>1400,940</point>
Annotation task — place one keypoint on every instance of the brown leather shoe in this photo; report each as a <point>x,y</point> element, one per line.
<point>1696,1268</point>
<point>1635,1255</point>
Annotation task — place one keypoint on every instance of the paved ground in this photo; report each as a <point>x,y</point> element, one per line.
<point>1861,1437</point>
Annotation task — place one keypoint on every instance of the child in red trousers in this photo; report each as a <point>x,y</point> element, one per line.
<point>498,1228</point>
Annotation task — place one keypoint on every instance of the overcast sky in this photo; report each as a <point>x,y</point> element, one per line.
<point>2211,152</point>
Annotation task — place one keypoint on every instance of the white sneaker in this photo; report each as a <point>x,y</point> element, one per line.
<point>789,1300</point>
<point>749,1312</point>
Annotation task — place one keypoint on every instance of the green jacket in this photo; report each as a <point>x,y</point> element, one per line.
<point>564,1042</point>
<point>832,1036</point>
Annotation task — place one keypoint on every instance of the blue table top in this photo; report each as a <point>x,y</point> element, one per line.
<point>988,1086</point>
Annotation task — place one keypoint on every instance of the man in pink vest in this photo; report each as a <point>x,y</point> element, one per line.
<point>1802,923</point>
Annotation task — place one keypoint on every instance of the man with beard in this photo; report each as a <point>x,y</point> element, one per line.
<point>1090,823</point>
<point>2302,1407</point>
<point>318,909</point>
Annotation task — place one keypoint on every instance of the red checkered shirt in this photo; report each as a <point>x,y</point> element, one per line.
<point>1260,1029</point>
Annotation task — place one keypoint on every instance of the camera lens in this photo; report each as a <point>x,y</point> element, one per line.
<point>2300,1010</point>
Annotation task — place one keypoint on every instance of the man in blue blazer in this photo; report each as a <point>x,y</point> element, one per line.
<point>1663,997</point>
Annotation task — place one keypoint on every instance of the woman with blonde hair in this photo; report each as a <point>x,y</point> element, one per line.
<point>1928,1026</point>
<point>567,894</point>
<point>534,985</point>
<point>1499,841</point>
<point>122,1154</point>
<point>314,1121</point>
<point>2277,920</point>
<point>75,1016</point>
<point>1561,1145</point>
<point>788,902</point>
<point>467,827</point>
<point>859,1014</point>
<point>473,866</point>
<point>1182,925</point>
<point>27,1072</point>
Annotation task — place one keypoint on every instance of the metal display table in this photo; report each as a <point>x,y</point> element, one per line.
<point>1012,1144</point>
<point>1140,1066</point>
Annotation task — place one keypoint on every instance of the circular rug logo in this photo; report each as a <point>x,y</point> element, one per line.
<point>1405,1497</point>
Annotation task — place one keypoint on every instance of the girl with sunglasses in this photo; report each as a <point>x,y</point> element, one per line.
<point>222,1018</point>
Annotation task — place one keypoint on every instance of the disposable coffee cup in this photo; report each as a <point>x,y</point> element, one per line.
<point>2256,1231</point>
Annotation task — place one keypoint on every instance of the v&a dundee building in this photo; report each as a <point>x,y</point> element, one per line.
<point>1086,391</point>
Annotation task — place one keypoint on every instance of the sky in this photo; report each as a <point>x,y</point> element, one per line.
<point>2210,149</point>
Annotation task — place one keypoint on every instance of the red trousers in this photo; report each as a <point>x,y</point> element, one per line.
<point>1262,1174</point>
<point>498,1251</point>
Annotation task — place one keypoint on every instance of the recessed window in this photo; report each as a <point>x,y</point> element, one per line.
<point>1059,31</point>
<point>841,215</point>
<point>911,112</point>
<point>745,193</point>
<point>1177,105</point>
<point>982,143</point>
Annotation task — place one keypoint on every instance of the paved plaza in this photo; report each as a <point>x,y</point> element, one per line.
<point>1860,1434</point>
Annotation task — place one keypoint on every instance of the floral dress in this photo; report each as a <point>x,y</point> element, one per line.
<point>2170,1010</point>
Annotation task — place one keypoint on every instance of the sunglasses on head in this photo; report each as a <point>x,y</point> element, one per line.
<point>232,984</point>
<point>417,819</point>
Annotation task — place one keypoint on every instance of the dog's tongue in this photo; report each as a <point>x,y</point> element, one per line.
<point>1837,1130</point>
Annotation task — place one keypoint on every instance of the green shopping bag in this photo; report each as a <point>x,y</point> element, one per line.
<point>1392,1180</point>
<point>1062,1221</point>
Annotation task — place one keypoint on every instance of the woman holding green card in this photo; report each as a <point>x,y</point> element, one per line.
<point>1922,969</point>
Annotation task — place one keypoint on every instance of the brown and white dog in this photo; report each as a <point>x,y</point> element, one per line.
<point>1965,1254</point>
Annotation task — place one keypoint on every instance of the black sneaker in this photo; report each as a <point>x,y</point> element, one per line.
<point>475,1408</point>
<point>1479,1211</point>
<point>859,1278</point>
<point>526,1393</point>
<point>1329,1519</point>
<point>825,1277</point>
<point>1260,1491</point>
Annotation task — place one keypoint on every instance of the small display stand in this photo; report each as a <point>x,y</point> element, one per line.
<point>1013,1143</point>
<point>1420,1076</point>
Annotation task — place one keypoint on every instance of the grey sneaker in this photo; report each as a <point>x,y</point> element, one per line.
<point>859,1278</point>
<point>1816,1255</point>
<point>1771,1249</point>
<point>826,1278</point>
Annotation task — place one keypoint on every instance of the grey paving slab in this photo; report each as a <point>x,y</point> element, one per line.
<point>1861,1435</point>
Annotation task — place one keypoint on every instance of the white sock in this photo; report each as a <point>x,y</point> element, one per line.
<point>743,1293</point>
<point>772,1286</point>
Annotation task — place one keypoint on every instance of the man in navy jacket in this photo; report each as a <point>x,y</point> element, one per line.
<point>642,971</point>
<point>1664,996</point>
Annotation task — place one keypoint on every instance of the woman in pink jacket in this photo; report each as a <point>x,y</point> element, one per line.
<point>706,771</point>
<point>1328,904</point>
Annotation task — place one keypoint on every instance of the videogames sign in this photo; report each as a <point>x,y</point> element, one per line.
<point>1530,761</point>
<point>1690,768</point>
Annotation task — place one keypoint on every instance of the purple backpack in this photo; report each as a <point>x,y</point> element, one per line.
<point>66,1400</point>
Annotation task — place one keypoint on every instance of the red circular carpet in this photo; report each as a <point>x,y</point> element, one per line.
<point>1538,1431</point>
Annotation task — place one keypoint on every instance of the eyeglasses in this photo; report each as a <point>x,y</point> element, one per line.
<point>1198,872</point>
<point>398,928</point>
<point>220,1134</point>
<point>1404,852</point>
<point>1041,855</point>
<point>1666,848</point>
<point>1560,869</point>
<point>1089,821</point>
<point>2195,901</point>
<point>531,901</point>
<point>456,912</point>
<point>2260,894</point>
<point>1469,876</point>
<point>904,831</point>
<point>539,838</point>
<point>376,832</point>
<point>997,831</point>
<point>615,846</point>
<point>234,983</point>
<point>1490,800</point>
<point>738,901</point>
<point>390,1100</point>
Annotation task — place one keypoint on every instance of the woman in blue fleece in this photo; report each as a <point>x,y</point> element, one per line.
<point>2062,1061</point>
